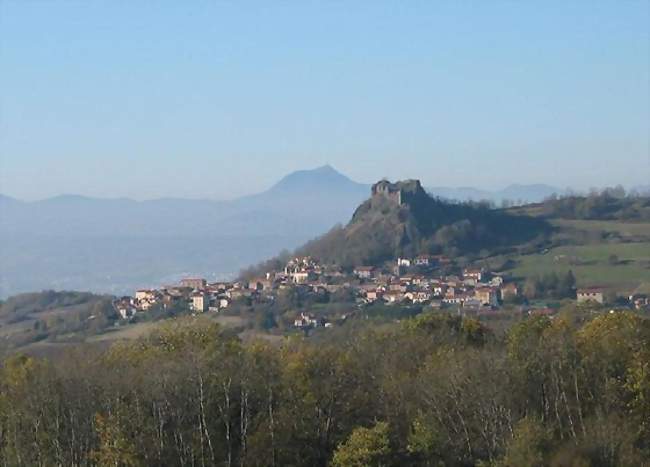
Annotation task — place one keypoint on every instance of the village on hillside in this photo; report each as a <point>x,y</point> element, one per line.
<point>423,280</point>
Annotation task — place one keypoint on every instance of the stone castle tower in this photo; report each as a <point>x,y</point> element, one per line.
<point>396,192</point>
<point>388,190</point>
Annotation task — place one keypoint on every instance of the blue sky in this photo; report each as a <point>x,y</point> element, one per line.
<point>219,99</point>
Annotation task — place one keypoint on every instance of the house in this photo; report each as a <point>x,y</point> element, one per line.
<point>260,284</point>
<point>126,312</point>
<point>455,299</point>
<point>418,297</point>
<point>419,280</point>
<point>470,281</point>
<point>496,281</point>
<point>451,292</point>
<point>372,295</point>
<point>471,302</point>
<point>509,290</point>
<point>169,299</point>
<point>306,321</point>
<point>439,289</point>
<point>364,272</point>
<point>236,294</point>
<point>393,296</point>
<point>218,287</point>
<point>145,295</point>
<point>452,281</point>
<point>124,307</point>
<point>404,262</point>
<point>640,301</point>
<point>200,302</point>
<point>146,305</point>
<point>487,296</point>
<point>299,264</point>
<point>194,283</point>
<point>473,273</point>
<point>406,280</point>
<point>398,287</point>
<point>592,294</point>
<point>145,299</point>
<point>423,260</point>
<point>301,276</point>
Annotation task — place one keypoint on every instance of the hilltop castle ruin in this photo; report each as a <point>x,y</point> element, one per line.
<point>396,192</point>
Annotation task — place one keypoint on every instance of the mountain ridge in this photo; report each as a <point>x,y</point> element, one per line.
<point>514,192</point>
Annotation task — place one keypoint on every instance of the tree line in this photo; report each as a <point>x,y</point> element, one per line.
<point>432,390</point>
<point>607,204</point>
<point>550,285</point>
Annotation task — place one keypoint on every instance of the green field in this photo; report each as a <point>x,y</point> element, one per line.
<point>590,262</point>
<point>625,229</point>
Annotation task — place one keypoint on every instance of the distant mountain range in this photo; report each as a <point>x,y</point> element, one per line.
<point>302,203</point>
<point>116,245</point>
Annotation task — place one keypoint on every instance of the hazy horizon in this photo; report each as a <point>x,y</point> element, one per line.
<point>219,101</point>
<point>313,169</point>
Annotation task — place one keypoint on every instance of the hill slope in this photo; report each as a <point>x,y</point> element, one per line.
<point>53,317</point>
<point>401,219</point>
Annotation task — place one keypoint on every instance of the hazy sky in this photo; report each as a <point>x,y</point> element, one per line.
<point>215,99</point>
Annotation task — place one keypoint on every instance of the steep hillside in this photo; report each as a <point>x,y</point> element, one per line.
<point>401,219</point>
<point>53,317</point>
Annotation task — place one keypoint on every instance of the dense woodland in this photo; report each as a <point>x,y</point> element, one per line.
<point>432,390</point>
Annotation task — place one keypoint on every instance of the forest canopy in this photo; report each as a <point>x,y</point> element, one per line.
<point>435,390</point>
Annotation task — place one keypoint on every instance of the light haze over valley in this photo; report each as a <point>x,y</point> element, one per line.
<point>72,242</point>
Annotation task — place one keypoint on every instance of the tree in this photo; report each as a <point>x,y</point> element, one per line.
<point>530,288</point>
<point>529,446</point>
<point>638,385</point>
<point>566,286</point>
<point>366,447</point>
<point>426,441</point>
<point>115,447</point>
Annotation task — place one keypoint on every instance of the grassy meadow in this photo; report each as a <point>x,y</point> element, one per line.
<point>615,255</point>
